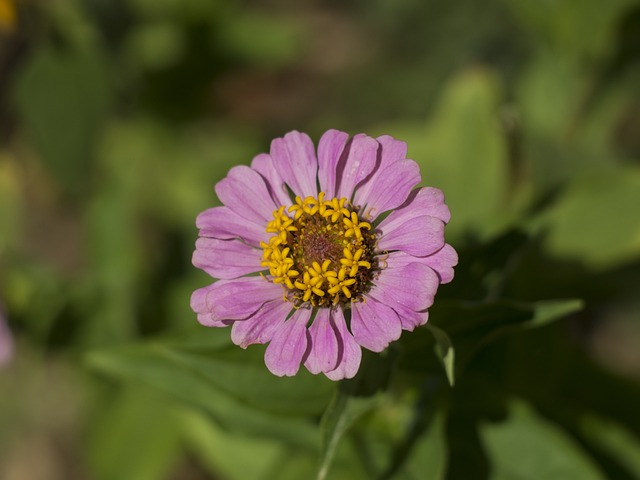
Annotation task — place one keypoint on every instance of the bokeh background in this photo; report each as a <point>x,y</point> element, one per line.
<point>117,117</point>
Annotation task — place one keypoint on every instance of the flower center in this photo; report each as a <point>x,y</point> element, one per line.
<point>320,251</point>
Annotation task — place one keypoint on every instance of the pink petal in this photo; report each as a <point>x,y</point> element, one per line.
<point>222,223</point>
<point>407,288</point>
<point>374,325</point>
<point>422,201</point>
<point>330,149</point>
<point>392,150</point>
<point>411,320</point>
<point>226,258</point>
<point>263,164</point>
<point>261,326</point>
<point>360,162</point>
<point>388,188</point>
<point>349,352</point>
<point>235,299</point>
<point>442,261</point>
<point>419,236</point>
<point>245,192</point>
<point>289,345</point>
<point>294,158</point>
<point>323,355</point>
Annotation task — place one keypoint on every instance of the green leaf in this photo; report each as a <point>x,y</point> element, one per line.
<point>170,371</point>
<point>616,440</point>
<point>262,39</point>
<point>295,466</point>
<point>478,319</point>
<point>471,326</point>
<point>526,446</point>
<point>548,311</point>
<point>341,413</point>
<point>12,204</point>
<point>140,145</point>
<point>224,452</point>
<point>444,350</point>
<point>243,375</point>
<point>63,97</point>
<point>463,150</point>
<point>128,440</point>
<point>592,221</point>
<point>157,45</point>
<point>578,32</point>
<point>429,456</point>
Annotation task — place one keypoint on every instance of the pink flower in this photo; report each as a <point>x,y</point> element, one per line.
<point>320,254</point>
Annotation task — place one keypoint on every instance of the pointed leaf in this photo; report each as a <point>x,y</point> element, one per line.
<point>158,366</point>
<point>551,310</point>
<point>526,446</point>
<point>444,351</point>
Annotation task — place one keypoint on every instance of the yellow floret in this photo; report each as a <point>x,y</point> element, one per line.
<point>352,261</point>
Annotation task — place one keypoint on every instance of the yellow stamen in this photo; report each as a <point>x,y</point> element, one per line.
<point>335,209</point>
<point>341,283</point>
<point>354,226</point>
<point>294,231</point>
<point>352,261</point>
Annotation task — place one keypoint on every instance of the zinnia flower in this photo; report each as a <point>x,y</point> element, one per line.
<point>321,254</point>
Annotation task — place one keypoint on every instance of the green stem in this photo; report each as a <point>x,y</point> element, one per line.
<point>334,423</point>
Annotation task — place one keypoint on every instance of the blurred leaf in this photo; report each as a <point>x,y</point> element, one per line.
<point>71,22</point>
<point>156,45</point>
<point>224,453</point>
<point>301,465</point>
<point>593,222</point>
<point>11,204</point>
<point>137,435</point>
<point>149,157</point>
<point>295,467</point>
<point>471,326</point>
<point>409,423</point>
<point>340,415</point>
<point>551,94</point>
<point>181,375</point>
<point>116,264</point>
<point>374,373</point>
<point>616,440</point>
<point>261,39</point>
<point>428,459</point>
<point>37,293</point>
<point>197,340</point>
<point>63,97</point>
<point>444,350</point>
<point>526,446</point>
<point>577,32</point>
<point>462,151</point>
<point>551,310</point>
<point>479,319</point>
<point>181,11</point>
<point>548,110</point>
<point>243,375</point>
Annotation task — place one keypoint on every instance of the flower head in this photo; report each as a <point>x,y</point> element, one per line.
<point>320,254</point>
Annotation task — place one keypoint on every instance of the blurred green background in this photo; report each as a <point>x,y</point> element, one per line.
<point>117,117</point>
